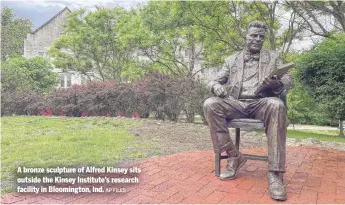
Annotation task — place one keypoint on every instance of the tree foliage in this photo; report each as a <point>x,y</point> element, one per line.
<point>20,74</point>
<point>91,43</point>
<point>181,38</point>
<point>13,33</point>
<point>322,73</point>
<point>162,37</point>
<point>302,108</point>
<point>184,37</point>
<point>321,18</point>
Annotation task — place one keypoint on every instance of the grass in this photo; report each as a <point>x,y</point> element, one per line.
<point>61,141</point>
<point>197,118</point>
<point>322,135</point>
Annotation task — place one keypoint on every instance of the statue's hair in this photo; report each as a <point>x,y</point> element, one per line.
<point>257,24</point>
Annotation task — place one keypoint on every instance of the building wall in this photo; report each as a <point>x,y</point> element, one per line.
<point>38,43</point>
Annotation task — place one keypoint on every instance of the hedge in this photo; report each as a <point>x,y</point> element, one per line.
<point>163,95</point>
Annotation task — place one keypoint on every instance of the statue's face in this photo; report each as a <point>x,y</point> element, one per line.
<point>254,39</point>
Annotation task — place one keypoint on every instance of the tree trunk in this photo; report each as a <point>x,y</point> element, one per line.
<point>341,128</point>
<point>190,116</point>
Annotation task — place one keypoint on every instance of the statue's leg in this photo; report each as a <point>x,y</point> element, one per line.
<point>217,110</point>
<point>273,112</point>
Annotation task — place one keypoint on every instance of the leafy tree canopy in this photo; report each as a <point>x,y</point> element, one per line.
<point>322,74</point>
<point>20,74</point>
<point>13,33</point>
<point>180,36</point>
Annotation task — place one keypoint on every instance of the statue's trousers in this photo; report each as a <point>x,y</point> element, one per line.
<point>270,110</point>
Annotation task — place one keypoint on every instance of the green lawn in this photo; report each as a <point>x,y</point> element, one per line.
<point>322,135</point>
<point>62,141</point>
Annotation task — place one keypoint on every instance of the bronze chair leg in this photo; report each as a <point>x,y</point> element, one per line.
<point>238,135</point>
<point>217,158</point>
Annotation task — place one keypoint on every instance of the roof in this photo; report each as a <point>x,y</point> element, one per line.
<point>51,19</point>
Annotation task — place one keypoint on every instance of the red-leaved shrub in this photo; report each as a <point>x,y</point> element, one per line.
<point>21,103</point>
<point>163,95</point>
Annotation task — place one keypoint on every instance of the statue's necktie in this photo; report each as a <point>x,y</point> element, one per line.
<point>247,57</point>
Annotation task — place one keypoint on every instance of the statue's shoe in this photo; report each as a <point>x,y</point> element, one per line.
<point>232,167</point>
<point>276,186</point>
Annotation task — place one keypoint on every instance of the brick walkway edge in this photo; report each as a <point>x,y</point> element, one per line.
<point>314,176</point>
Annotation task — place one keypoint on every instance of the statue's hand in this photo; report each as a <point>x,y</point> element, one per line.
<point>219,90</point>
<point>272,83</point>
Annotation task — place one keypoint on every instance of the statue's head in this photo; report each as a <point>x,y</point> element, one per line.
<point>255,37</point>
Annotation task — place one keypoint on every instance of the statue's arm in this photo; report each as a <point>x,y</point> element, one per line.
<point>221,77</point>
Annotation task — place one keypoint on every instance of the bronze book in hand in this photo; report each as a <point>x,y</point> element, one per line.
<point>279,72</point>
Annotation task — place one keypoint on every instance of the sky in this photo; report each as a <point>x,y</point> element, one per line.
<point>40,11</point>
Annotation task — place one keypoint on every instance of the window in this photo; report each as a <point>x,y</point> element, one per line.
<point>69,80</point>
<point>62,80</point>
<point>84,79</point>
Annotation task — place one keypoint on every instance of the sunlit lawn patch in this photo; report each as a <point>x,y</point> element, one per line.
<point>62,141</point>
<point>322,135</point>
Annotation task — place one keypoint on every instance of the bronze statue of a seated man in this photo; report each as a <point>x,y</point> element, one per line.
<point>234,88</point>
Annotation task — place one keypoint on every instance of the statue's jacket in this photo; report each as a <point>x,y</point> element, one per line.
<point>231,74</point>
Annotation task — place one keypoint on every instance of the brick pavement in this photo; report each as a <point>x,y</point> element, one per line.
<point>314,176</point>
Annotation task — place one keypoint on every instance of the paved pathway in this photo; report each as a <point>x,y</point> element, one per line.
<point>312,127</point>
<point>314,175</point>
